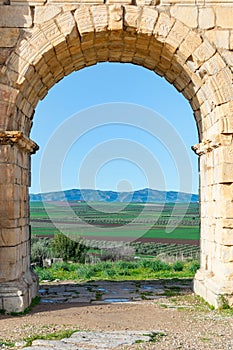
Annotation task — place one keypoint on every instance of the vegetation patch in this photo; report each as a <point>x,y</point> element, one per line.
<point>118,271</point>
<point>51,336</point>
<point>5,344</point>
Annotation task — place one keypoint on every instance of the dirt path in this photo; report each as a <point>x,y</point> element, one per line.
<point>183,321</point>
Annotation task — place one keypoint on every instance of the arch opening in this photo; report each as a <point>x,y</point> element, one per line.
<point>125,128</point>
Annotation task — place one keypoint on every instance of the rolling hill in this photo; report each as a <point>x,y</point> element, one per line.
<point>139,196</point>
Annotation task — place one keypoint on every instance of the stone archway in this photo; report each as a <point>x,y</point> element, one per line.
<point>42,43</point>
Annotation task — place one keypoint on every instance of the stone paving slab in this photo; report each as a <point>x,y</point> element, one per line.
<point>93,340</point>
<point>106,291</point>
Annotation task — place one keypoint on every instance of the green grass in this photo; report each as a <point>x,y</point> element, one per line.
<point>145,269</point>
<point>6,345</point>
<point>51,336</point>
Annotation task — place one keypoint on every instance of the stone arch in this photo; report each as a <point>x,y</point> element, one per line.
<point>147,36</point>
<point>143,36</point>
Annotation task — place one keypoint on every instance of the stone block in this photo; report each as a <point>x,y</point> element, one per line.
<point>131,17</point>
<point>100,17</point>
<point>226,223</point>
<point>214,65</point>
<point>224,270</point>
<point>224,16</point>
<point>10,174</point>
<point>225,209</point>
<point>147,21</point>
<point>186,14</point>
<point>228,57</point>
<point>163,26</point>
<point>25,233</point>
<point>115,17</point>
<point>9,192</point>
<point>203,53</point>
<point>190,44</point>
<point>220,38</point>
<point>10,237</point>
<point>222,191</point>
<point>4,54</point>
<point>23,221</point>
<point>224,253</point>
<point>45,13</point>
<point>8,94</point>
<point>15,16</point>
<point>8,37</point>
<point>52,33</point>
<point>176,36</point>
<point>16,303</point>
<point>9,223</point>
<point>225,236</point>
<point>224,232</point>
<point>67,25</point>
<point>206,18</point>
<point>199,286</point>
<point>223,155</point>
<point>84,20</point>
<point>10,209</point>
<point>9,256</point>
<point>219,85</point>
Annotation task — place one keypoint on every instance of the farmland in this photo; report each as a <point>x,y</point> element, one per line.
<point>130,222</point>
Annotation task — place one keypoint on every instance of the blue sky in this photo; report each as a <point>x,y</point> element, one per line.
<point>119,153</point>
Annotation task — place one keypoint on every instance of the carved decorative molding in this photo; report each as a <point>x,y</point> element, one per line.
<point>17,137</point>
<point>207,146</point>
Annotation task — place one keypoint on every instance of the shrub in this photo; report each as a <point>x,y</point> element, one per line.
<point>69,249</point>
<point>122,265</point>
<point>145,263</point>
<point>124,252</point>
<point>178,266</point>
<point>85,272</point>
<point>44,274</point>
<point>64,266</point>
<point>158,265</point>
<point>109,273</point>
<point>195,265</point>
<point>40,249</point>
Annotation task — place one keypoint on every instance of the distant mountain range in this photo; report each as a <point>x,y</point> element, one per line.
<point>140,196</point>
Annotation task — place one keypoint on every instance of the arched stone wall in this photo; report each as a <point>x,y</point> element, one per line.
<point>190,46</point>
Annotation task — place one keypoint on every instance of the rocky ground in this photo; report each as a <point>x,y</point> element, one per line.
<point>120,315</point>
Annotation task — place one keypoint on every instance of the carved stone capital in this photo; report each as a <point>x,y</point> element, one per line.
<point>207,146</point>
<point>17,137</point>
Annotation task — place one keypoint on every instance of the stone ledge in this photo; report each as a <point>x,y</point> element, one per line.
<point>16,296</point>
<point>17,137</point>
<point>214,290</point>
<point>207,146</point>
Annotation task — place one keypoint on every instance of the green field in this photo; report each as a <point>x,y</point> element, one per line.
<point>117,221</point>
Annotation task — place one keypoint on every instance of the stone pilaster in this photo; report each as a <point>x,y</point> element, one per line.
<point>214,280</point>
<point>18,284</point>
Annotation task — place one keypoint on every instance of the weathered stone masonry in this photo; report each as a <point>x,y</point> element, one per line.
<point>189,43</point>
